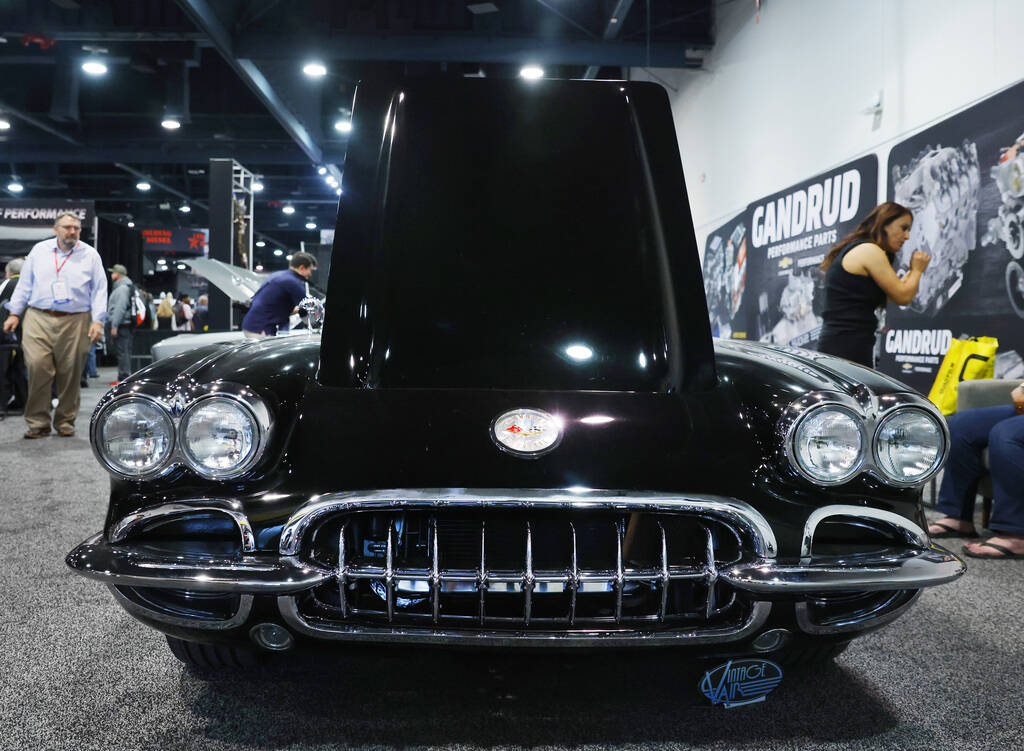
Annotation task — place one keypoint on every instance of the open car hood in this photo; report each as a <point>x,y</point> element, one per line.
<point>237,283</point>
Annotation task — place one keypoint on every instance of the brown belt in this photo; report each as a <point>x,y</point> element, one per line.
<point>54,313</point>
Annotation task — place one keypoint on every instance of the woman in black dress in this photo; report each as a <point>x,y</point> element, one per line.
<point>859,278</point>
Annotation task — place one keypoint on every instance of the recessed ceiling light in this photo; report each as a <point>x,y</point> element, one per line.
<point>143,185</point>
<point>321,171</point>
<point>314,70</point>
<point>343,126</point>
<point>15,187</point>
<point>184,208</point>
<point>531,72</point>
<point>288,209</point>
<point>131,224</point>
<point>310,225</point>
<point>171,123</point>
<point>5,124</point>
<point>278,252</point>
<point>257,187</point>
<point>94,67</point>
<point>260,244</point>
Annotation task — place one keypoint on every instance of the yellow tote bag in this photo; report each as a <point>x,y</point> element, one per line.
<point>966,360</point>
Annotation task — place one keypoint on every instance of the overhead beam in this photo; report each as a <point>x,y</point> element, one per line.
<point>178,154</point>
<point>109,35</point>
<point>611,30</point>
<point>163,186</point>
<point>203,16</point>
<point>36,123</point>
<point>450,47</point>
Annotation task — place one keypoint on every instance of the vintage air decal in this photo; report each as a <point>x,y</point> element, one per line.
<point>740,682</point>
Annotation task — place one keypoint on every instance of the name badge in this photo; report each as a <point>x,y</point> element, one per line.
<point>59,291</point>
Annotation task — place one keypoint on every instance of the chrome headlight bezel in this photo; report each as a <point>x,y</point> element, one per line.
<point>871,411</point>
<point>175,403</point>
<point>794,454</point>
<point>96,437</point>
<point>876,444</point>
<point>252,408</point>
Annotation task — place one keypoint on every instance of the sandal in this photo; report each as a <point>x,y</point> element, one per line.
<point>1007,554</point>
<point>950,532</point>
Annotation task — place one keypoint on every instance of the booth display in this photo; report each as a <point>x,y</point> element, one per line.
<point>516,429</point>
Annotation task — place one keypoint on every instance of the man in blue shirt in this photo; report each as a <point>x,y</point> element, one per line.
<point>278,297</point>
<point>62,297</point>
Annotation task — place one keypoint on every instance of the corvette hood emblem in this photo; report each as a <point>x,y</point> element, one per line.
<point>526,432</point>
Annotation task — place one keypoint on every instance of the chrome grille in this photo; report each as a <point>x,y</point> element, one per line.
<point>526,569</point>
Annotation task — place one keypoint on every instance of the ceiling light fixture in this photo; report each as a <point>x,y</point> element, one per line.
<point>259,267</point>
<point>314,70</point>
<point>531,72</point>
<point>260,244</point>
<point>343,126</point>
<point>131,224</point>
<point>338,191</point>
<point>171,123</point>
<point>278,252</point>
<point>257,187</point>
<point>288,209</point>
<point>5,124</point>
<point>143,186</point>
<point>321,171</point>
<point>184,208</point>
<point>310,225</point>
<point>15,185</point>
<point>94,67</point>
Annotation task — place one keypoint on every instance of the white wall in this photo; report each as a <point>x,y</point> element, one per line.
<point>780,100</point>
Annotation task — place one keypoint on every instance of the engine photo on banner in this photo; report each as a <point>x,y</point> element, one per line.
<point>725,278</point>
<point>963,179</point>
<point>791,232</point>
<point>940,186</point>
<point>1007,228</point>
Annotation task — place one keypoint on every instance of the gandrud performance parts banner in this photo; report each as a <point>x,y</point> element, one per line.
<point>761,270</point>
<point>963,179</point>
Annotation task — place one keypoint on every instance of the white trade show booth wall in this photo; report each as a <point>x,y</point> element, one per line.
<point>783,98</point>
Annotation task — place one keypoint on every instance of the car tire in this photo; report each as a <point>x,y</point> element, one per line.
<point>212,657</point>
<point>801,655</point>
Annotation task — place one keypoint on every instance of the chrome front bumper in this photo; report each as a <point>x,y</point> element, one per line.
<point>760,579</point>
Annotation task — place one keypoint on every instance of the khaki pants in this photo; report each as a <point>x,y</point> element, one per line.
<point>54,347</point>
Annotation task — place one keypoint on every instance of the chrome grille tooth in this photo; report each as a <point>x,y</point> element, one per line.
<point>664,574</point>
<point>342,571</point>
<point>574,576</point>
<point>389,571</point>
<point>712,572</point>
<point>435,571</point>
<point>481,582</point>
<point>619,581</point>
<point>528,577</point>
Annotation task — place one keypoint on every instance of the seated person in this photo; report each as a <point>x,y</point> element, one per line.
<point>1001,430</point>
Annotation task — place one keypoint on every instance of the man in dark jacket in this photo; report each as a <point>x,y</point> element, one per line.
<point>278,297</point>
<point>119,318</point>
<point>13,378</point>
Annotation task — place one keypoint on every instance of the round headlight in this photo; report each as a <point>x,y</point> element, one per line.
<point>219,437</point>
<point>908,446</point>
<point>135,436</point>
<point>829,445</point>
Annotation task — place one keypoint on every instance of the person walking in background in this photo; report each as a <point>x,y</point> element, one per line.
<point>62,297</point>
<point>278,297</point>
<point>165,314</point>
<point>120,320</point>
<point>859,278</point>
<point>201,312</point>
<point>183,314</point>
<point>13,380</point>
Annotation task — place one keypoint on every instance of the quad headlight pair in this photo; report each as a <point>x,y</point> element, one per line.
<point>218,436</point>
<point>830,443</point>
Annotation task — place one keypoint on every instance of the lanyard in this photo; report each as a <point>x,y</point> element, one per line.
<point>65,259</point>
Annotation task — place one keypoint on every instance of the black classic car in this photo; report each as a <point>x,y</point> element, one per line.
<point>515,429</point>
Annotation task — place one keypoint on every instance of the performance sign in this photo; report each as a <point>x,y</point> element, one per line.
<point>963,179</point>
<point>41,213</point>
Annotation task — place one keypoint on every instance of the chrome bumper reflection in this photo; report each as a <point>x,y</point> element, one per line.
<point>903,569</point>
<point>137,566</point>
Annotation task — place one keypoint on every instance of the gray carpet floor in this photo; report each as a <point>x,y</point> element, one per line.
<point>76,672</point>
